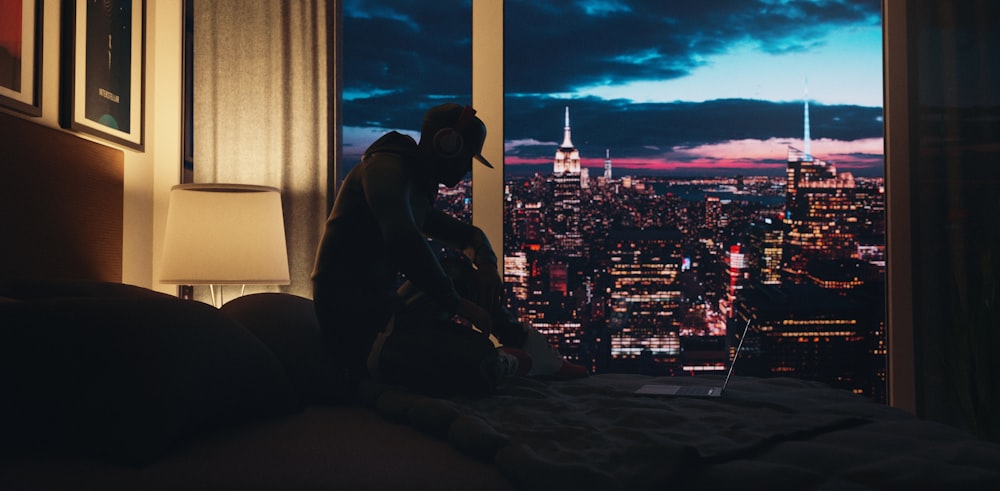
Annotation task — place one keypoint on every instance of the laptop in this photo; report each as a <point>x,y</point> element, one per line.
<point>694,390</point>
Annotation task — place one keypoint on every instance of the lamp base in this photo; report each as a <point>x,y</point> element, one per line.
<point>218,302</point>
<point>186,292</point>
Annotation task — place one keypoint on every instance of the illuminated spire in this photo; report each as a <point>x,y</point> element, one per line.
<point>805,137</point>
<point>607,163</point>
<point>567,143</point>
<point>567,159</point>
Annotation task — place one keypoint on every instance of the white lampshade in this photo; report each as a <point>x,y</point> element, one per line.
<point>224,234</point>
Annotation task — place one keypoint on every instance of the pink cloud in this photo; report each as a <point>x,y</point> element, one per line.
<point>739,155</point>
<point>777,148</point>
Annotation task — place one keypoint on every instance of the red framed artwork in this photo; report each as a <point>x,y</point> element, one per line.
<point>21,56</point>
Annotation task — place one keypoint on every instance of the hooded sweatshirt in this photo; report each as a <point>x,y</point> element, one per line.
<point>374,233</point>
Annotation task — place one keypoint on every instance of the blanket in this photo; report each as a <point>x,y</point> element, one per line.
<point>594,433</point>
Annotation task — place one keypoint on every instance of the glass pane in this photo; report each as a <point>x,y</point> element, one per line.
<point>400,58</point>
<point>673,169</point>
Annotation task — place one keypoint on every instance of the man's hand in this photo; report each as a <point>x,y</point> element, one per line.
<point>475,314</point>
<point>487,288</point>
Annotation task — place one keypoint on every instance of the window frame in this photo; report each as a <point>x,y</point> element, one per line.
<point>487,184</point>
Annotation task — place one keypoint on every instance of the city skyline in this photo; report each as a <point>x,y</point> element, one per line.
<point>688,90</point>
<point>624,274</point>
<point>653,273</point>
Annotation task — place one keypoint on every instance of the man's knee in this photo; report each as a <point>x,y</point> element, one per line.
<point>440,360</point>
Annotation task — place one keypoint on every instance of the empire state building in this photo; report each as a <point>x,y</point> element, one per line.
<point>567,159</point>
<point>565,229</point>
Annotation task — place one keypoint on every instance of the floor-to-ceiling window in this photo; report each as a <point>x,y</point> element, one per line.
<point>673,170</point>
<point>670,171</point>
<point>400,58</point>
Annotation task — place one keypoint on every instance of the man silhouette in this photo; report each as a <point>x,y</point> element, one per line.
<point>389,307</point>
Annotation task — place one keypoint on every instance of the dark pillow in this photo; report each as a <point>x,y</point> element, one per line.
<point>287,324</point>
<point>127,378</point>
<point>34,289</point>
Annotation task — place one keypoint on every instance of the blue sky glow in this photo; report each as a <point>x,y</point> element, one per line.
<point>653,81</point>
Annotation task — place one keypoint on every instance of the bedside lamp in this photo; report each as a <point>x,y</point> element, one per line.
<point>224,234</point>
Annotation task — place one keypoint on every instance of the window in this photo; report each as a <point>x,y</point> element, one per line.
<point>662,185</point>
<point>670,172</point>
<point>400,59</point>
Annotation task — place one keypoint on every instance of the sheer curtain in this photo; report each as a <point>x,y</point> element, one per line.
<point>261,109</point>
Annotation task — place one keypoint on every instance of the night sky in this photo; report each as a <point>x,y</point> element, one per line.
<point>687,88</point>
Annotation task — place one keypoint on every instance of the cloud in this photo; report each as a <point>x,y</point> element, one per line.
<point>558,46</point>
<point>826,149</point>
<point>642,129</point>
<point>513,146</point>
<point>403,56</point>
<point>409,46</point>
<point>580,46</point>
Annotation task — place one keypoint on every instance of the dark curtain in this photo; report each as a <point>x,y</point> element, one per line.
<point>954,121</point>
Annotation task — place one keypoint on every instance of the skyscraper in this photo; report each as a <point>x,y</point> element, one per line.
<point>642,269</point>
<point>564,223</point>
<point>766,240</point>
<point>818,322</point>
<point>607,164</point>
<point>567,159</point>
<point>821,212</point>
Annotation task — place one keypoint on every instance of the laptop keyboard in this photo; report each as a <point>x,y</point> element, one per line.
<point>691,390</point>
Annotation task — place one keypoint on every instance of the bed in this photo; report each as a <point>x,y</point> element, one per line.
<point>114,386</point>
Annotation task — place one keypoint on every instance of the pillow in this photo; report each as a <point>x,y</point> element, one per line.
<point>287,324</point>
<point>33,289</point>
<point>125,379</point>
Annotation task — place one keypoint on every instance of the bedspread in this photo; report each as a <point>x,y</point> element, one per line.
<point>594,433</point>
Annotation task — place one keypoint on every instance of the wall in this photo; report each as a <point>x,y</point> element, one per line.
<point>149,174</point>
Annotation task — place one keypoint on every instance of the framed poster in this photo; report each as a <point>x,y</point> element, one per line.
<point>103,65</point>
<point>21,56</point>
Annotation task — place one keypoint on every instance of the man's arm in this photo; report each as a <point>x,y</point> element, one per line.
<point>387,189</point>
<point>463,236</point>
<point>487,282</point>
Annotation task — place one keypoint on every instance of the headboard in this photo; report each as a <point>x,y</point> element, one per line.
<point>61,201</point>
